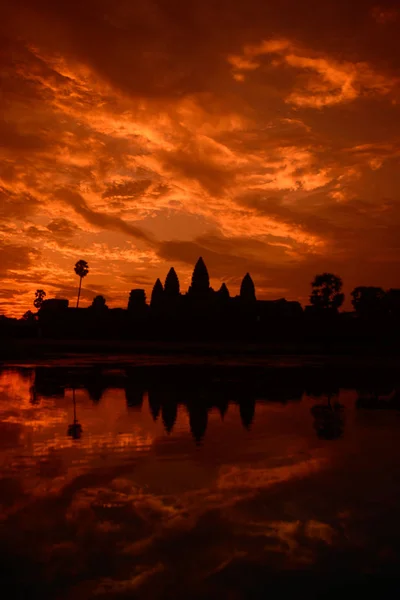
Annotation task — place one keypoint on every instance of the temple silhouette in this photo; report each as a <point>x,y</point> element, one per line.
<point>203,314</point>
<point>199,312</point>
<point>166,390</point>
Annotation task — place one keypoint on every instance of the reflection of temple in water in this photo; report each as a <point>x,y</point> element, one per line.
<point>134,394</point>
<point>247,408</point>
<point>199,391</point>
<point>198,420</point>
<point>95,385</point>
<point>155,401</point>
<point>169,412</point>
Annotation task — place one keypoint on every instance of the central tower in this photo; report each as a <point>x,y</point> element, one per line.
<point>200,280</point>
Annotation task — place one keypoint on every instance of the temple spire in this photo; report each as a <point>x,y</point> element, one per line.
<point>247,289</point>
<point>200,279</point>
<point>157,294</point>
<point>171,286</point>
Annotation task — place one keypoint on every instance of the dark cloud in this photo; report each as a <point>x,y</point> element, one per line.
<point>18,141</point>
<point>199,164</point>
<point>225,257</point>
<point>16,205</point>
<point>167,47</point>
<point>14,257</point>
<point>62,228</point>
<point>130,189</point>
<point>99,219</point>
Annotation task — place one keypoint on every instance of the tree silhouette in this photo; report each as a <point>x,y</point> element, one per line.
<point>328,420</point>
<point>171,286</point>
<point>99,304</point>
<point>200,279</point>
<point>39,297</point>
<point>28,317</point>
<point>247,289</point>
<point>81,269</point>
<point>157,294</point>
<point>368,301</point>
<point>326,292</point>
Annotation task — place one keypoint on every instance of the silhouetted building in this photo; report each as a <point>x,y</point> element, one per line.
<point>247,290</point>
<point>223,293</point>
<point>137,301</point>
<point>99,305</point>
<point>53,305</point>
<point>204,314</point>
<point>171,286</point>
<point>393,302</point>
<point>157,295</point>
<point>200,280</point>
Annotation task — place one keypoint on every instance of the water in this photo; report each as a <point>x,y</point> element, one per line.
<point>176,482</point>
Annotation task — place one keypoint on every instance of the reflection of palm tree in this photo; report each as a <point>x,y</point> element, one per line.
<point>75,428</point>
<point>81,269</point>
<point>329,421</point>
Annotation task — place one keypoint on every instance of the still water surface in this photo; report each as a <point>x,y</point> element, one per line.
<point>176,483</point>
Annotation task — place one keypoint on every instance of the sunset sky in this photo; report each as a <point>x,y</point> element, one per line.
<point>140,134</point>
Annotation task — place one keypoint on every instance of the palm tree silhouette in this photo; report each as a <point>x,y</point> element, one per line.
<point>81,269</point>
<point>39,298</point>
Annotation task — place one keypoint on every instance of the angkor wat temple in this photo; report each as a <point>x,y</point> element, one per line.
<point>203,314</point>
<point>198,312</point>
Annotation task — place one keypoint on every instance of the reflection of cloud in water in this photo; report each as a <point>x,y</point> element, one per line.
<point>131,510</point>
<point>235,477</point>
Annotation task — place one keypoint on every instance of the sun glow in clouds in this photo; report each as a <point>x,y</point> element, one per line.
<point>136,132</point>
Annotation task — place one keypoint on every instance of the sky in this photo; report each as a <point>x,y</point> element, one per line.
<point>139,135</point>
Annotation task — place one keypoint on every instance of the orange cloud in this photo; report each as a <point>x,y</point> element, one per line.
<point>322,81</point>
<point>166,142</point>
